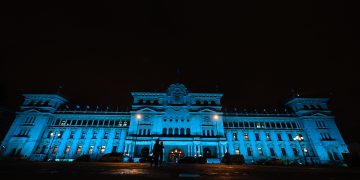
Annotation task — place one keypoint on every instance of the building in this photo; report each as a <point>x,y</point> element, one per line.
<point>189,124</point>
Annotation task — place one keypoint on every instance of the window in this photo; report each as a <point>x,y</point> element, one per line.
<point>246,137</point>
<point>237,151</point>
<point>249,151</point>
<point>102,149</point>
<point>83,135</point>
<point>207,132</point>
<point>236,124</point>
<point>55,149</point>
<point>258,125</point>
<point>261,153</point>
<point>43,149</point>
<point>144,132</point>
<point>278,125</point>
<point>235,137</point>
<point>106,134</point>
<point>225,124</point>
<point>94,135</point>
<point>78,151</point>
<point>272,124</point>
<point>188,131</point>
<point>182,131</point>
<point>72,133</point>
<point>89,122</point>
<point>148,132</point>
<point>246,124</point>
<point>63,122</point>
<point>164,131</point>
<point>204,133</point>
<point>176,131</point>
<point>117,134</point>
<point>290,137</point>
<point>114,149</point>
<point>268,137</point>
<point>170,131</point>
<point>272,152</point>
<point>241,124</point>
<point>59,135</point>
<point>330,156</point>
<point>295,151</point>
<point>283,152</point>
<point>262,125</point>
<point>91,149</point>
<point>279,137</point>
<point>212,132</point>
<point>257,137</point>
<point>50,134</point>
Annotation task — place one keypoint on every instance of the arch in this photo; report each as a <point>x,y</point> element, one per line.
<point>176,131</point>
<point>170,131</point>
<point>175,154</point>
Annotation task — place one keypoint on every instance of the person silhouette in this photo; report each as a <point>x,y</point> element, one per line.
<point>156,152</point>
<point>161,154</point>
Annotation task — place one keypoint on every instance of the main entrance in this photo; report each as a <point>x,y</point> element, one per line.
<point>175,154</point>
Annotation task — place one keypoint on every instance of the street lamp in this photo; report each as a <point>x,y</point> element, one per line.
<point>53,135</point>
<point>298,139</point>
<point>216,118</point>
<point>138,118</point>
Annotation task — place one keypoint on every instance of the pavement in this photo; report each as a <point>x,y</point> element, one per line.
<point>100,170</point>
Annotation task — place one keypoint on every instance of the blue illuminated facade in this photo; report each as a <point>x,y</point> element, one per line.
<point>47,126</point>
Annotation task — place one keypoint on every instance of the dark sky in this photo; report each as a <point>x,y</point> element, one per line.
<point>255,52</point>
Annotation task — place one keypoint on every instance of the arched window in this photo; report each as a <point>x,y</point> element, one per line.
<point>170,131</point>
<point>188,131</point>
<point>164,131</point>
<point>182,131</point>
<point>206,103</point>
<point>207,133</point>
<point>198,102</point>
<point>213,103</point>
<point>148,132</point>
<point>176,131</point>
<point>212,132</point>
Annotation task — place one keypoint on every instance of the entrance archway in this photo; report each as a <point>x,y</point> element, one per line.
<point>145,152</point>
<point>175,154</point>
<point>207,152</point>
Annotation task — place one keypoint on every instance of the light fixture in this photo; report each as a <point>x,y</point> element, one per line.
<point>138,116</point>
<point>216,117</point>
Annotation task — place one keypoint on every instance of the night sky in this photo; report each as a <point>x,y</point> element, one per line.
<point>255,53</point>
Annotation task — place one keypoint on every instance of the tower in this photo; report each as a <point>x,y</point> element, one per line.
<point>30,122</point>
<point>320,127</point>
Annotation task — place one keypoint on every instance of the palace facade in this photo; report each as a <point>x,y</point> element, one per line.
<point>189,124</point>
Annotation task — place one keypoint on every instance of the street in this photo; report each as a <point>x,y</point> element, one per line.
<point>95,170</point>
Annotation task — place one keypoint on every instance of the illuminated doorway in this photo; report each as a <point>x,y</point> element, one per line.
<point>175,155</point>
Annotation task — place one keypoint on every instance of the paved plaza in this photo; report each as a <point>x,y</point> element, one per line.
<point>44,170</point>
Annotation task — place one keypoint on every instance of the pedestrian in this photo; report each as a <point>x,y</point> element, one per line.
<point>161,153</point>
<point>156,152</point>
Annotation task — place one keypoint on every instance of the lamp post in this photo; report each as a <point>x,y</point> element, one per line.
<point>216,118</point>
<point>53,135</point>
<point>138,118</point>
<point>298,139</point>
